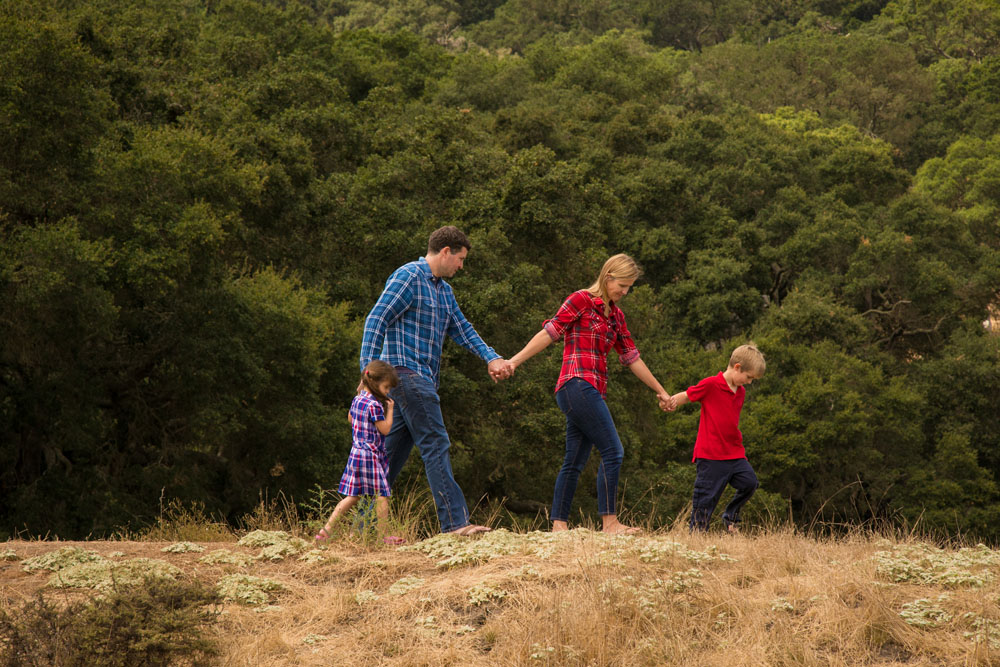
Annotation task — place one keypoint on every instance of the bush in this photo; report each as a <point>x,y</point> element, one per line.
<point>154,623</point>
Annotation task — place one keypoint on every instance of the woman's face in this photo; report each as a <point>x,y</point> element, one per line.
<point>618,288</point>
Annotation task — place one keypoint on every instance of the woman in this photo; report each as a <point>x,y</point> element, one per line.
<point>592,323</point>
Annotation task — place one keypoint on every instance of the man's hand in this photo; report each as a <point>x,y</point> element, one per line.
<point>500,369</point>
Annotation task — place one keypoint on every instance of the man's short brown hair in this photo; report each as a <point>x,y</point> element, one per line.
<point>447,237</point>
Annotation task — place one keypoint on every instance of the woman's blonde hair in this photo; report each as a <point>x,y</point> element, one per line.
<point>618,267</point>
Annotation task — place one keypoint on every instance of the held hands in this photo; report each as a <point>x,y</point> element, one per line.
<point>500,369</point>
<point>667,403</point>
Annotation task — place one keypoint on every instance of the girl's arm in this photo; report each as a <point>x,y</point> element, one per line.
<point>539,342</point>
<point>385,425</point>
<point>641,371</point>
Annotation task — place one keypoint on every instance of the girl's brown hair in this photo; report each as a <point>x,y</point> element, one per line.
<point>375,373</point>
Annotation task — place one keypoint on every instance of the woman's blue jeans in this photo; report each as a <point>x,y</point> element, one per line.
<point>418,421</point>
<point>588,425</point>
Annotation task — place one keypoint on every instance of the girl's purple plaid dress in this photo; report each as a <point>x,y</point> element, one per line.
<point>367,471</point>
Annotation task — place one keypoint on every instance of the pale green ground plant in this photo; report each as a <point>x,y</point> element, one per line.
<point>60,559</point>
<point>183,548</point>
<point>226,557</point>
<point>105,575</point>
<point>247,589</point>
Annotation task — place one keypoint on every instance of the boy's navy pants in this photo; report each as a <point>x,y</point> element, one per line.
<point>711,481</point>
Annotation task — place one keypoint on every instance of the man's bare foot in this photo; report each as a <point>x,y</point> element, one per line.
<point>733,529</point>
<point>559,526</point>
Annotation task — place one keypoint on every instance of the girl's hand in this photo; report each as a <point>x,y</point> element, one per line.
<point>389,404</point>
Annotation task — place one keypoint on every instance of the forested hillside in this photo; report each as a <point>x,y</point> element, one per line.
<point>201,199</point>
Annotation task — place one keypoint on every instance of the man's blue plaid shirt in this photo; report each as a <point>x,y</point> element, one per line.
<point>408,323</point>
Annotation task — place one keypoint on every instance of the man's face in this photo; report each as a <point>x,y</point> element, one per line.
<point>451,261</point>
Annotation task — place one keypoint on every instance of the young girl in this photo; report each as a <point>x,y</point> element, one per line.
<point>367,468</point>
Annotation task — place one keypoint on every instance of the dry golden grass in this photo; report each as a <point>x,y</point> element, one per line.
<point>582,598</point>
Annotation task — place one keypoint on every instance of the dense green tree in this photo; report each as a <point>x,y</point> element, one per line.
<point>200,201</point>
<point>941,29</point>
<point>869,82</point>
<point>54,107</point>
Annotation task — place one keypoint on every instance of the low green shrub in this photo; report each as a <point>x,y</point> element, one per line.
<point>155,622</point>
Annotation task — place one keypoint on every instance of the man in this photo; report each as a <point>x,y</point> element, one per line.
<point>406,328</point>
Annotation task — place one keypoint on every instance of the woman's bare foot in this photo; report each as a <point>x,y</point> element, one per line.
<point>613,527</point>
<point>559,526</point>
<point>469,530</point>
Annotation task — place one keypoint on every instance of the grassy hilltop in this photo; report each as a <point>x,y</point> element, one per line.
<point>769,597</point>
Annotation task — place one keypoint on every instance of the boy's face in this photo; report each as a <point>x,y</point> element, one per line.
<point>741,376</point>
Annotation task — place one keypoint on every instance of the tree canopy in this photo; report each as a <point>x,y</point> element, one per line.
<point>200,200</point>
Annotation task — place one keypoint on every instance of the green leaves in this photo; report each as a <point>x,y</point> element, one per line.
<point>199,203</point>
<point>53,109</point>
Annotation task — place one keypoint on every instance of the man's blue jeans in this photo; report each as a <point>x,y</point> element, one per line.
<point>588,425</point>
<point>418,421</point>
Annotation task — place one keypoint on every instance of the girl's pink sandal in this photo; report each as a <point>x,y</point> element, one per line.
<point>393,541</point>
<point>321,536</point>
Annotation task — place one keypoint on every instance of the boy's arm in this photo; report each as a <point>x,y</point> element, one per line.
<point>680,398</point>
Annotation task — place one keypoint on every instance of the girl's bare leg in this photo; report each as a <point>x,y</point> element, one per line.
<point>342,508</point>
<point>382,512</point>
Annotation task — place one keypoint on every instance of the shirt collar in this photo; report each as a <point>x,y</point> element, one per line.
<point>599,305</point>
<point>425,268</point>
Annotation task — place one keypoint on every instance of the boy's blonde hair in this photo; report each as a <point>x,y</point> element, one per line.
<point>749,358</point>
<point>618,267</point>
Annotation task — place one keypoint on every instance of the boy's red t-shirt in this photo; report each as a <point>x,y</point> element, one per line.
<point>719,436</point>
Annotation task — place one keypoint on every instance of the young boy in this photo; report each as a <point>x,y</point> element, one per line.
<point>718,451</point>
